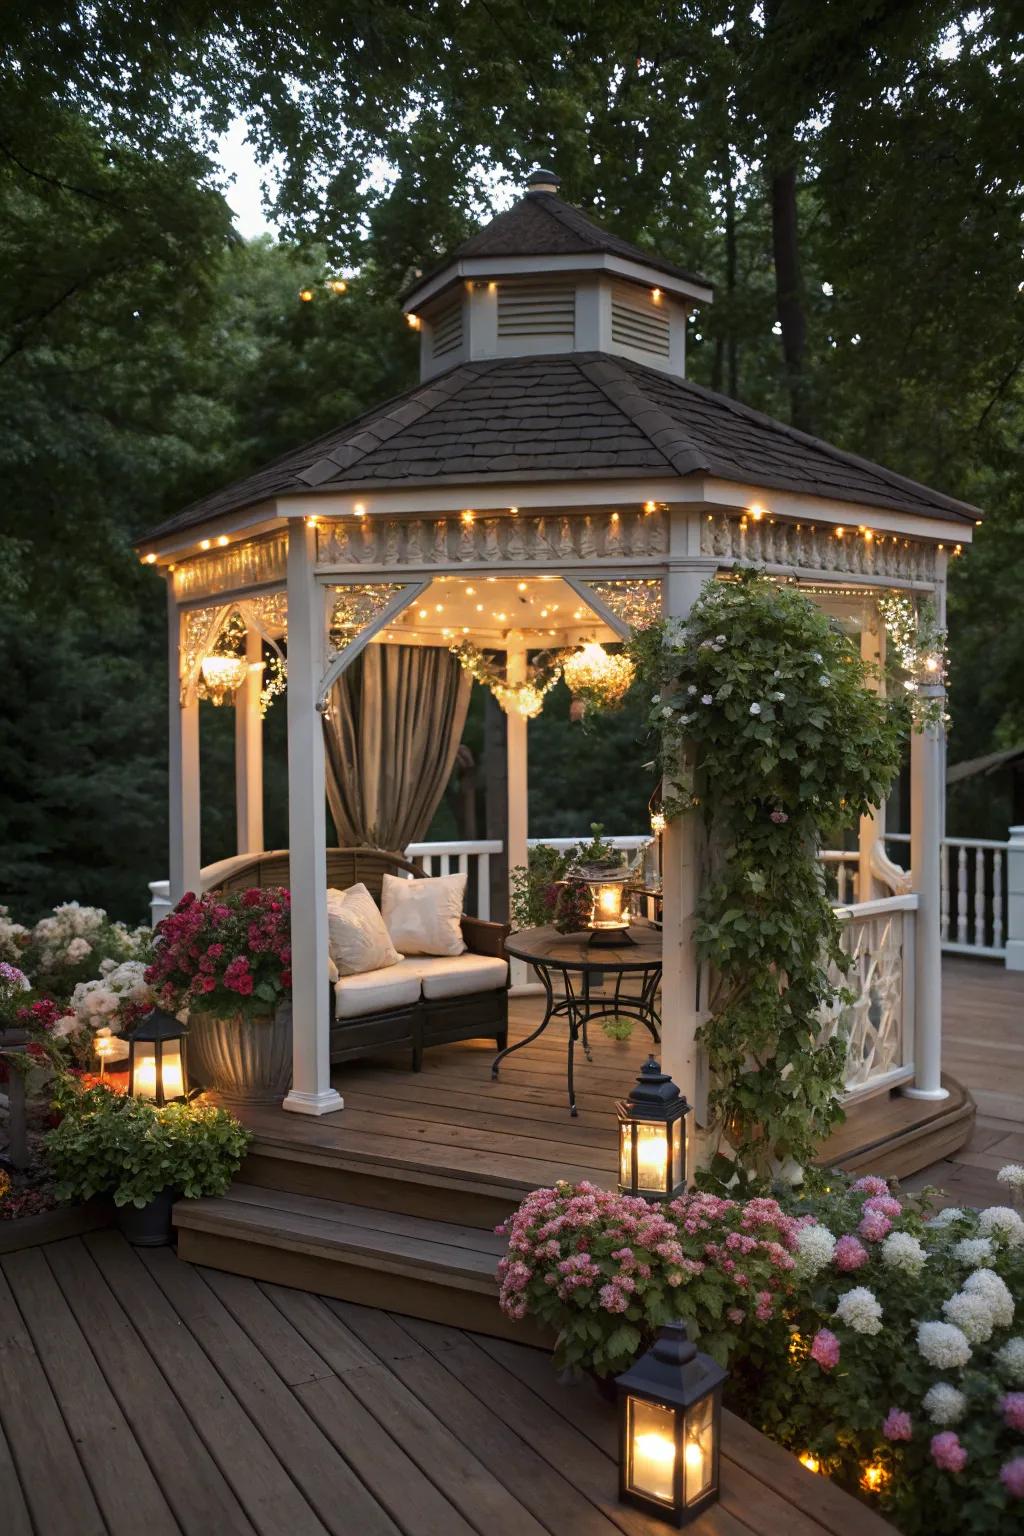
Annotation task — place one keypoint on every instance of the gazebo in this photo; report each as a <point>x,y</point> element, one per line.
<point>551,481</point>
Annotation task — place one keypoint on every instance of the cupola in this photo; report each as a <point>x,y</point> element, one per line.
<point>544,278</point>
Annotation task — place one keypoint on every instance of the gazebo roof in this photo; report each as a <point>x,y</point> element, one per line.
<point>543,224</point>
<point>575,416</point>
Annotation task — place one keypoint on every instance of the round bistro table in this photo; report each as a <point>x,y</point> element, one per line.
<point>635,967</point>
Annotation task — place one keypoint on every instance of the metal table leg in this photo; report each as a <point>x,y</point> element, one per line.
<point>544,976</point>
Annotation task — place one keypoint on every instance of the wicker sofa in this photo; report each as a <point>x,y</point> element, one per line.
<point>423,1001</point>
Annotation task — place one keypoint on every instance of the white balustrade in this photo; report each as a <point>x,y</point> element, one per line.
<point>878,1025</point>
<point>973,873</point>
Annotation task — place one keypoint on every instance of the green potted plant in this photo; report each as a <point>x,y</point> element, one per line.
<point>143,1158</point>
<point>227,959</point>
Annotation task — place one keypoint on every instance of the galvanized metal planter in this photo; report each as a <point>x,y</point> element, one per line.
<point>242,1060</point>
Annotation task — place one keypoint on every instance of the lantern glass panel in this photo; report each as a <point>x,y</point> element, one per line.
<point>607,911</point>
<point>698,1451</point>
<point>651,1448</point>
<point>652,1149</point>
<point>677,1132</point>
<point>144,1082</point>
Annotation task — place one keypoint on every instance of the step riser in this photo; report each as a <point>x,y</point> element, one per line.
<point>389,1192</point>
<point>435,1301</point>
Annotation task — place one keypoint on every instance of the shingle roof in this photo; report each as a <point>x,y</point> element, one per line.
<point>578,416</point>
<point>544,224</point>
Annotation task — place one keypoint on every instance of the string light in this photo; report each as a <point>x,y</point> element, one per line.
<point>840,532</point>
<point>656,295</point>
<point>756,512</point>
<point>151,559</point>
<point>413,322</point>
<point>204,543</point>
<point>337,285</point>
<point>650,506</point>
<point>223,540</point>
<point>306,295</point>
<point>468,516</point>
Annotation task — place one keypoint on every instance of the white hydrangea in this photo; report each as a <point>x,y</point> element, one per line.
<point>96,1003</point>
<point>1010,1361</point>
<point>973,1251</point>
<point>1000,1221</point>
<point>70,924</point>
<point>860,1310</point>
<point>13,937</point>
<point>985,1282</point>
<point>944,1404</point>
<point>1012,1174</point>
<point>971,1313</point>
<point>755,709</point>
<point>943,1344</point>
<point>901,1250</point>
<point>815,1246</point>
<point>945,1218</point>
<point>78,949</point>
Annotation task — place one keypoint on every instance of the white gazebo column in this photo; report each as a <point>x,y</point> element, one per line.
<point>183,765</point>
<point>518,788</point>
<point>249,750</point>
<point>311,1092</point>
<point>681,858</point>
<point>871,829</point>
<point>927,792</point>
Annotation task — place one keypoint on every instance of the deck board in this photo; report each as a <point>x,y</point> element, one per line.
<point>223,1405</point>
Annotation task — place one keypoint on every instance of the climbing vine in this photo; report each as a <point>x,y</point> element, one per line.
<point>769,731</point>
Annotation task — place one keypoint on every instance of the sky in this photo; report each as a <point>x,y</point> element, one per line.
<point>245,195</point>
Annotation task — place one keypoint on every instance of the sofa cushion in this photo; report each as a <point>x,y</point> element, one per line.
<point>424,917</point>
<point>398,986</point>
<point>458,975</point>
<point>356,934</point>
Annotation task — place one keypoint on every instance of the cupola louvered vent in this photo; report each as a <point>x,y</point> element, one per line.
<point>536,309</point>
<point>446,329</point>
<point>640,325</point>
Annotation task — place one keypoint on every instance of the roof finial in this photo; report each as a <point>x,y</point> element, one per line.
<point>543,181</point>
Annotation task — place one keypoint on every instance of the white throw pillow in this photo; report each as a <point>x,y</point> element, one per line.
<point>357,937</point>
<point>423,917</point>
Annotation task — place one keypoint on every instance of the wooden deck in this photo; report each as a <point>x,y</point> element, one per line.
<point>139,1394</point>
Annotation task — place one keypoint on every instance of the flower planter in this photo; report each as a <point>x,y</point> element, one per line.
<point>242,1060</point>
<point>147,1226</point>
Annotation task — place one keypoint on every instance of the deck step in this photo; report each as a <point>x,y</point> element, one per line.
<point>442,1271</point>
<point>896,1137</point>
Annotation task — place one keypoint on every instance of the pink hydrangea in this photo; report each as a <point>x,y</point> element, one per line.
<point>888,1205</point>
<point>947,1452</point>
<point>870,1184</point>
<point>613,1299</point>
<point>897,1425</point>
<point>849,1254</point>
<point>1011,1475</point>
<point>1012,1409</point>
<point>825,1349</point>
<point>874,1226</point>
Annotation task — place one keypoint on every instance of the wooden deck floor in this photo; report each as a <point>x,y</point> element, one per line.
<point>141,1395</point>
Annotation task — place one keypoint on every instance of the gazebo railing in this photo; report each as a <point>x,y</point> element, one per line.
<point>973,893</point>
<point>879,1022</point>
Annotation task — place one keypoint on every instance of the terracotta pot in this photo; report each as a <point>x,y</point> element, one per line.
<point>242,1060</point>
<point>147,1226</point>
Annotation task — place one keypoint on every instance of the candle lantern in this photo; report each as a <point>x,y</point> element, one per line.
<point>652,1137</point>
<point>670,1429</point>
<point>157,1068</point>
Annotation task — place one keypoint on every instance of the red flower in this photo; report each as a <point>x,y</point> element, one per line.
<point>36,1050</point>
<point>252,898</point>
<point>286,979</point>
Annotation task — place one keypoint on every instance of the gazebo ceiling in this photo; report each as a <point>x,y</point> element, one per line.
<point>572,417</point>
<point>496,613</point>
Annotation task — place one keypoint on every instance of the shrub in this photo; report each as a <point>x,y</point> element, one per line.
<point>109,1143</point>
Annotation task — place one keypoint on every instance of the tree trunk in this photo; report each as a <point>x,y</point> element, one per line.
<point>789,291</point>
<point>732,346</point>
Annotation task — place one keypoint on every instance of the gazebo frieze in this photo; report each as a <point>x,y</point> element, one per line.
<point>528,539</point>
<point>234,568</point>
<point>800,547</point>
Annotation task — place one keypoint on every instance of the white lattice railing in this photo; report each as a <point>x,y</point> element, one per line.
<point>879,1023</point>
<point>973,893</point>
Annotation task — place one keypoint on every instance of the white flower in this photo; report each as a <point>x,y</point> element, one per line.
<point>825,681</point>
<point>1013,1175</point>
<point>655,698</point>
<point>78,949</point>
<point>999,1221</point>
<point>900,1250</point>
<point>944,1404</point>
<point>68,1025</point>
<point>943,1218</point>
<point>755,709</point>
<point>685,719</point>
<point>778,697</point>
<point>692,689</point>
<point>1010,1360</point>
<point>972,1251</point>
<point>776,673</point>
<point>706,698</point>
<point>971,1313</point>
<point>985,1282</point>
<point>815,1246</point>
<point>860,1310</point>
<point>667,711</point>
<point>817,656</point>
<point>720,639</point>
<point>943,1344</point>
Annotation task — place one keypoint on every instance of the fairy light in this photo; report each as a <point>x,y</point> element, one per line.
<point>151,559</point>
<point>650,506</point>
<point>468,516</point>
<point>656,295</point>
<point>413,322</point>
<point>615,517</point>
<point>204,543</point>
<point>840,532</point>
<point>306,295</point>
<point>310,522</point>
<point>338,285</point>
<point>756,512</point>
<point>222,541</point>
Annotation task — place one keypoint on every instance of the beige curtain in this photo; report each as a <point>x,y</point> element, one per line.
<point>391,737</point>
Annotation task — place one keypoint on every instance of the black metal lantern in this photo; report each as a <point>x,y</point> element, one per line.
<point>652,1137</point>
<point>670,1429</point>
<point>157,1068</point>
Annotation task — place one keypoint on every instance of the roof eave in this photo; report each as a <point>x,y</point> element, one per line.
<point>690,287</point>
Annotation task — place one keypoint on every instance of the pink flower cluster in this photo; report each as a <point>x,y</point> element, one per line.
<point>898,1425</point>
<point>825,1349</point>
<point>1011,1406</point>
<point>223,944</point>
<point>879,1212</point>
<point>849,1254</point>
<point>947,1452</point>
<point>1011,1475</point>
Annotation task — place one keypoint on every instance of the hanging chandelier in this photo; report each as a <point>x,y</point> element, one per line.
<point>593,674</point>
<point>222,676</point>
<point>524,698</point>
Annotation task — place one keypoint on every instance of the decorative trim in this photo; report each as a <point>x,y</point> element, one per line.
<point>386,543</point>
<point>806,547</point>
<point>256,563</point>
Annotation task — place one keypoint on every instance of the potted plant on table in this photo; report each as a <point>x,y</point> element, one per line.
<point>144,1158</point>
<point>227,959</point>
